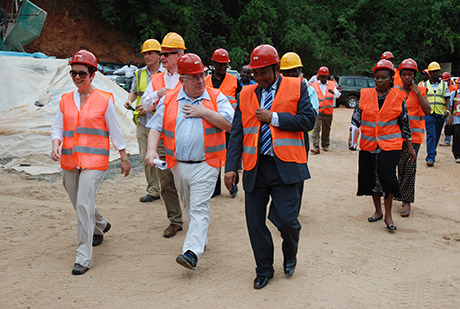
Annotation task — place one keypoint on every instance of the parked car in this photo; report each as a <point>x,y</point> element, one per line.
<point>350,87</point>
<point>108,69</point>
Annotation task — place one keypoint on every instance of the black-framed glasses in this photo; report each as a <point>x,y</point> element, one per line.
<point>195,78</point>
<point>166,55</point>
<point>82,74</point>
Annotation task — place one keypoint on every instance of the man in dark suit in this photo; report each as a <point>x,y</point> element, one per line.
<point>268,132</point>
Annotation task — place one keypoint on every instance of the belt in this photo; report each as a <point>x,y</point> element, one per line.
<point>190,162</point>
<point>267,157</point>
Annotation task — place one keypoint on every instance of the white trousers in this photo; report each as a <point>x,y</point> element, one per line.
<point>83,187</point>
<point>195,184</point>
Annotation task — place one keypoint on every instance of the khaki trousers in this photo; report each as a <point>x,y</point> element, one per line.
<point>83,187</point>
<point>151,175</point>
<point>323,123</point>
<point>168,190</point>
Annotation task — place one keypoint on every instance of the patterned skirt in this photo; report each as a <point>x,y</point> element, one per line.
<point>406,174</point>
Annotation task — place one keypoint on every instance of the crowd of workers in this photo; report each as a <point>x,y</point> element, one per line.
<point>198,123</point>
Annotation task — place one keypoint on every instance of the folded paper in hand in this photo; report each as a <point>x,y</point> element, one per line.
<point>162,165</point>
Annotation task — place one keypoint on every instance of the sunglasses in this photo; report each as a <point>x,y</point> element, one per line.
<point>82,74</point>
<point>166,55</point>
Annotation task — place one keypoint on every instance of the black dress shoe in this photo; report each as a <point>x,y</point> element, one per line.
<point>188,260</point>
<point>98,239</point>
<point>261,281</point>
<point>289,267</point>
<point>148,198</point>
<point>79,270</point>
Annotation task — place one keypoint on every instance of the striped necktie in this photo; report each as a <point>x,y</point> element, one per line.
<point>266,139</point>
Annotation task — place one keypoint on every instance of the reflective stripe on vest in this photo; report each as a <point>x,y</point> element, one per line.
<point>326,102</point>
<point>227,87</point>
<point>289,146</point>
<point>416,115</point>
<point>380,127</point>
<point>86,137</point>
<point>214,138</point>
<point>456,104</point>
<point>436,99</point>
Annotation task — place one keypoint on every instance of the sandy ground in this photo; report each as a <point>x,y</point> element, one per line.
<point>343,260</point>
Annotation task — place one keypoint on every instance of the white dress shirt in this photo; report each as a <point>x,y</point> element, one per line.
<point>150,98</point>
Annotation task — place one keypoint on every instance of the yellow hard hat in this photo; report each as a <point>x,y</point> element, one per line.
<point>434,66</point>
<point>290,61</point>
<point>173,40</point>
<point>151,45</point>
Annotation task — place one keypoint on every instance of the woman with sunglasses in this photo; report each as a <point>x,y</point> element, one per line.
<point>417,107</point>
<point>382,117</point>
<point>80,141</point>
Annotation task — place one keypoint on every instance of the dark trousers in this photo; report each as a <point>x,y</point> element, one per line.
<point>456,142</point>
<point>284,209</point>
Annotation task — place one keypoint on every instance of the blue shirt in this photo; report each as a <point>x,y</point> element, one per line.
<point>189,137</point>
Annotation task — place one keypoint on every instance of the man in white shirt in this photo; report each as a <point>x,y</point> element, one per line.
<point>172,47</point>
<point>128,70</point>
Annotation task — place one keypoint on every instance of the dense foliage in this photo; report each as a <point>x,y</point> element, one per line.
<point>348,36</point>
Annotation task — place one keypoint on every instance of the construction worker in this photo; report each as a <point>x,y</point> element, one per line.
<point>425,76</point>
<point>151,52</point>
<point>417,108</point>
<point>446,77</point>
<point>381,115</point>
<point>439,97</point>
<point>172,48</point>
<point>245,76</point>
<point>397,78</point>
<point>84,125</point>
<point>230,87</point>
<point>268,132</point>
<point>192,119</point>
<point>128,70</point>
<point>326,91</point>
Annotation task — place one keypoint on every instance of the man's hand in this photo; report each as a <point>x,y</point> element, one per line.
<point>150,156</point>
<point>141,109</point>
<point>56,150</point>
<point>264,115</point>
<point>230,179</point>
<point>194,111</point>
<point>125,167</point>
<point>414,88</point>
<point>161,92</point>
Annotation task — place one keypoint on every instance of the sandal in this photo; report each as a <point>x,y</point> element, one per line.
<point>373,219</point>
<point>405,213</point>
<point>390,227</point>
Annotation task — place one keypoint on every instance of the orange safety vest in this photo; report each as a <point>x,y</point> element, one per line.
<point>453,88</point>
<point>380,127</point>
<point>326,102</point>
<point>397,78</point>
<point>228,87</point>
<point>416,115</point>
<point>214,138</point>
<point>86,137</point>
<point>288,146</point>
<point>158,82</point>
<point>456,104</point>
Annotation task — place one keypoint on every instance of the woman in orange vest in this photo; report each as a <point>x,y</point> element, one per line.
<point>80,141</point>
<point>417,107</point>
<point>381,116</point>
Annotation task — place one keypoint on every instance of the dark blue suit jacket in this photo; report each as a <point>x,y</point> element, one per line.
<point>290,172</point>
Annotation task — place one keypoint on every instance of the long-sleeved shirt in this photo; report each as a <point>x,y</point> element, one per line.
<point>189,136</point>
<point>127,70</point>
<point>110,118</point>
<point>150,97</point>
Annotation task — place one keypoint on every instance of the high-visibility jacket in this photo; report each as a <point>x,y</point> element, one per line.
<point>288,146</point>
<point>397,78</point>
<point>453,88</point>
<point>436,99</point>
<point>158,82</point>
<point>228,87</point>
<point>326,101</point>
<point>86,137</point>
<point>214,138</point>
<point>141,85</point>
<point>416,116</point>
<point>456,104</point>
<point>380,127</point>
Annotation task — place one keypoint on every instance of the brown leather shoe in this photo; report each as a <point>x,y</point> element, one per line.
<point>172,230</point>
<point>326,148</point>
<point>315,150</point>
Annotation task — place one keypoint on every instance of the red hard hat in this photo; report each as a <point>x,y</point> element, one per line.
<point>383,64</point>
<point>445,76</point>
<point>323,71</point>
<point>387,55</point>
<point>220,55</point>
<point>85,57</point>
<point>263,56</point>
<point>408,64</point>
<point>190,64</point>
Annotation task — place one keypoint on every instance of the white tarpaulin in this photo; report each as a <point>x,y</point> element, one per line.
<point>25,82</point>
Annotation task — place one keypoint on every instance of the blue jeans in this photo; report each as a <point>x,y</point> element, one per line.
<point>433,126</point>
